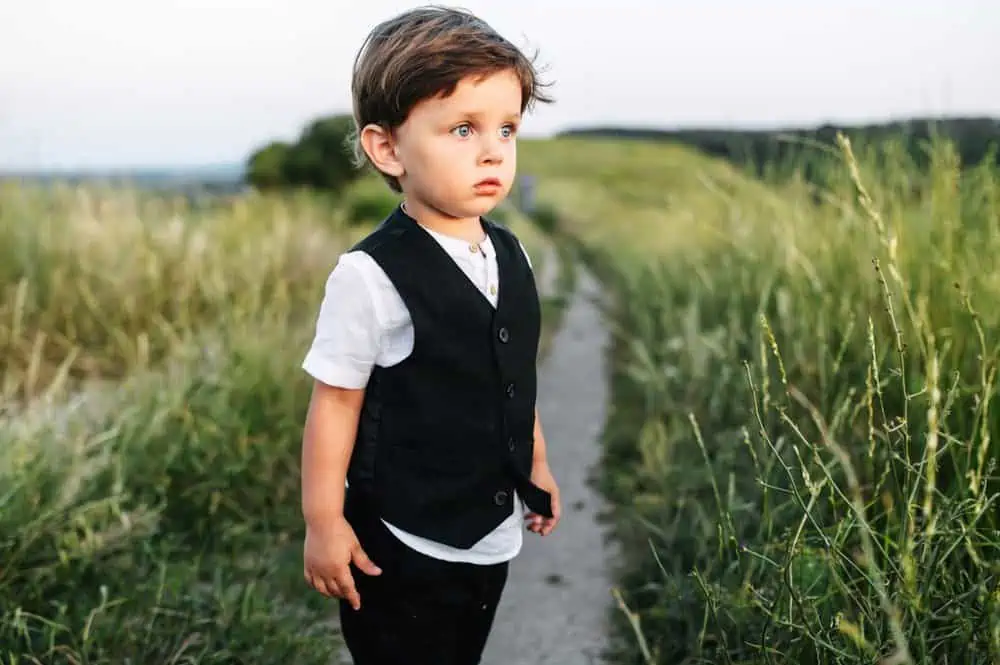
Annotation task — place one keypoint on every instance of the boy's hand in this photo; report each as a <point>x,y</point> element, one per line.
<point>329,551</point>
<point>541,475</point>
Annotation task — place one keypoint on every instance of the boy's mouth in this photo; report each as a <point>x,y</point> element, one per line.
<point>489,184</point>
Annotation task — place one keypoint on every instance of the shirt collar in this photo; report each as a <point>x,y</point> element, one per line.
<point>457,246</point>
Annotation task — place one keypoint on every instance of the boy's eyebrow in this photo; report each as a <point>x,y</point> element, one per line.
<point>515,115</point>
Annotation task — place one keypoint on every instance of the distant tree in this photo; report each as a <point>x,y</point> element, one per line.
<point>326,161</point>
<point>266,166</point>
<point>319,159</point>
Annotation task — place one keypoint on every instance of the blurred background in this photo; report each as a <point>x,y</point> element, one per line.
<point>791,211</point>
<point>181,84</point>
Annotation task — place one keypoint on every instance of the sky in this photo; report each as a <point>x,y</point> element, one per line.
<point>135,83</point>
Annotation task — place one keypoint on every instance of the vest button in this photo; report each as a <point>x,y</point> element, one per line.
<point>510,390</point>
<point>504,335</point>
<point>510,444</point>
<point>500,498</point>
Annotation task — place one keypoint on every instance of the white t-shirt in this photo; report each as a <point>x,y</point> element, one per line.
<point>363,322</point>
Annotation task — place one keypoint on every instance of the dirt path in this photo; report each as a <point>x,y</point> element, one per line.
<point>555,607</point>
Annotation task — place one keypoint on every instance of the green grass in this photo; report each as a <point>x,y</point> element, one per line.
<point>802,441</point>
<point>152,414</point>
<point>171,500</point>
<point>95,283</point>
<point>641,199</point>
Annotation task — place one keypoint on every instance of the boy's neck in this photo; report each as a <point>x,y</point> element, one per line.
<point>469,229</point>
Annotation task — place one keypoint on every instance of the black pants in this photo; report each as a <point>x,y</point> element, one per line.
<point>420,610</point>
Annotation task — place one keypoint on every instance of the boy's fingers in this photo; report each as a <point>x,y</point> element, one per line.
<point>366,565</point>
<point>333,587</point>
<point>347,590</point>
<point>354,598</point>
<point>548,524</point>
<point>535,522</point>
<point>318,583</point>
<point>310,580</point>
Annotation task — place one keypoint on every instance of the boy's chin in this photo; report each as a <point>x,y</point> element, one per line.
<point>467,207</point>
<point>478,207</point>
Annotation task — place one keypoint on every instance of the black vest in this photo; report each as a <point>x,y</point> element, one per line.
<point>446,435</point>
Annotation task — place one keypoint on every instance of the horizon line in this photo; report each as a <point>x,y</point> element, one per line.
<point>240,164</point>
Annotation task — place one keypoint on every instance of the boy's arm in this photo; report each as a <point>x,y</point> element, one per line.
<point>328,440</point>
<point>340,359</point>
<point>540,453</point>
<point>331,544</point>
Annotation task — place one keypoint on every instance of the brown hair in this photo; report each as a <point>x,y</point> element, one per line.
<point>424,53</point>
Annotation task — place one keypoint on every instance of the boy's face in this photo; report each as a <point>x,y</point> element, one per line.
<point>458,154</point>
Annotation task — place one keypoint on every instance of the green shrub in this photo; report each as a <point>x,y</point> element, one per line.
<point>370,202</point>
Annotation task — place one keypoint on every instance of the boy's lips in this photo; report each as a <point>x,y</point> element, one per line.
<point>488,183</point>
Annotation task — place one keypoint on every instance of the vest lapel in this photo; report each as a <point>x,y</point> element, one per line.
<point>438,253</point>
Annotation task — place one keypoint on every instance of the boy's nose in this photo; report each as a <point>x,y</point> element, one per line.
<point>491,152</point>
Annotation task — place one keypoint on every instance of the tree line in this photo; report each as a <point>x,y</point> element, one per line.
<point>779,152</point>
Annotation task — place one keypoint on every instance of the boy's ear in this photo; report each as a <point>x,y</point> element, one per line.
<point>380,147</point>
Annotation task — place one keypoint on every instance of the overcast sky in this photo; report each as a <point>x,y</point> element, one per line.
<point>105,83</point>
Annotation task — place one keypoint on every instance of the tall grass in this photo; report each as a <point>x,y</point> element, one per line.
<point>102,281</point>
<point>803,441</point>
<point>151,515</point>
<point>159,522</point>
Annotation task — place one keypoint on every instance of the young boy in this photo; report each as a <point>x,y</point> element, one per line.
<point>422,449</point>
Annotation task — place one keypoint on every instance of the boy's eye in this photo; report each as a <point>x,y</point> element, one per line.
<point>507,131</point>
<point>462,130</point>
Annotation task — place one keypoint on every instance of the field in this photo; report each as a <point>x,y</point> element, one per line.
<point>152,409</point>
<point>801,447</point>
<point>802,444</point>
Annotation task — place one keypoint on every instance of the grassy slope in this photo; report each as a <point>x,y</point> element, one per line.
<point>642,198</point>
<point>739,488</point>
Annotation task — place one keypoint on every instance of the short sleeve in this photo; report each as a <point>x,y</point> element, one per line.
<point>348,331</point>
